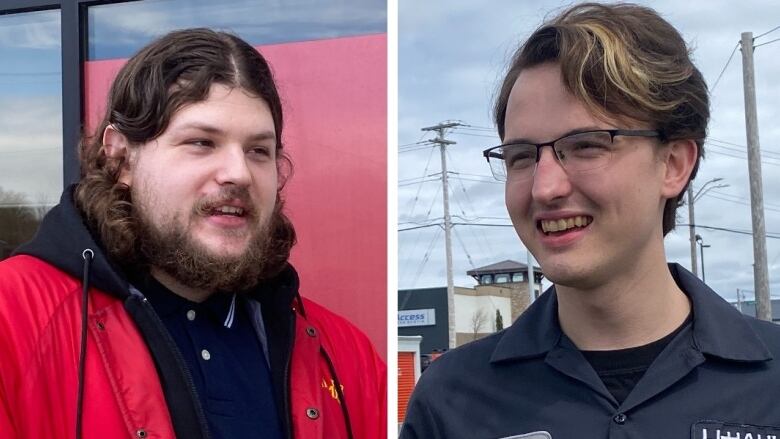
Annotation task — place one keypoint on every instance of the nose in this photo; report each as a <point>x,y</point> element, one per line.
<point>550,179</point>
<point>232,167</point>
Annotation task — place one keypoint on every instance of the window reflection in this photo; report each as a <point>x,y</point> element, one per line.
<point>118,30</point>
<point>30,123</point>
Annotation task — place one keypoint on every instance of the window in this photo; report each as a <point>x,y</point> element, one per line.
<point>486,279</point>
<point>502,278</point>
<point>518,277</point>
<point>30,123</point>
<point>119,30</point>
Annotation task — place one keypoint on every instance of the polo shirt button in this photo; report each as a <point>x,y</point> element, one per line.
<point>141,433</point>
<point>205,354</point>
<point>191,315</point>
<point>311,331</point>
<point>619,418</point>
<point>312,413</point>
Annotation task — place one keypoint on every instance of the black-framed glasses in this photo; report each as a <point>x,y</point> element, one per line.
<point>578,152</point>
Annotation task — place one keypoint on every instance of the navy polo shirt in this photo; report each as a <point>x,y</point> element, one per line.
<point>227,362</point>
<point>718,378</point>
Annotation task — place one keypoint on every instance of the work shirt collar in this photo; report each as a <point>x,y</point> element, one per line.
<point>719,329</point>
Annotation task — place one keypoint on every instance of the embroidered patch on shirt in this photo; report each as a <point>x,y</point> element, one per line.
<point>725,430</point>
<point>533,435</point>
<point>331,388</point>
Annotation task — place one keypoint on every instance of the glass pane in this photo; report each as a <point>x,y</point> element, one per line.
<point>119,30</point>
<point>502,278</point>
<point>518,277</point>
<point>30,123</point>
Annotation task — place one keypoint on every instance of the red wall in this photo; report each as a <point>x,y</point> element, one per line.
<point>335,101</point>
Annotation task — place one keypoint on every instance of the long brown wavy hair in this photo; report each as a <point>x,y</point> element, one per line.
<point>621,60</point>
<point>176,70</point>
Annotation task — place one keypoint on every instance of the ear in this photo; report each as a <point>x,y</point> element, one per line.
<point>679,161</point>
<point>117,147</point>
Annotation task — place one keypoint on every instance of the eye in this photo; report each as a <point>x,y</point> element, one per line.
<point>519,156</point>
<point>587,148</point>
<point>261,151</point>
<point>203,143</point>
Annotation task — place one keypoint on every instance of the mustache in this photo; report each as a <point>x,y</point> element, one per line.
<point>226,195</point>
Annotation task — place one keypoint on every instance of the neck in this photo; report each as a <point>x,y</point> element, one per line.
<point>193,294</point>
<point>631,309</point>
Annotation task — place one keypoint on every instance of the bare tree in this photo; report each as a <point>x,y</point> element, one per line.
<point>478,320</point>
<point>18,221</point>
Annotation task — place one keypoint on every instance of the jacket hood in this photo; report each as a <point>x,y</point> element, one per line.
<point>61,241</point>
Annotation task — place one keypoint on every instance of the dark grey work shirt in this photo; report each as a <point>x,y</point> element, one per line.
<point>719,377</point>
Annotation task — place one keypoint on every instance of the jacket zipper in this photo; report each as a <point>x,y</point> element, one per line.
<point>287,364</point>
<point>183,370</point>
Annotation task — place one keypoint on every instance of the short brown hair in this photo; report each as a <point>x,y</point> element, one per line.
<point>175,70</point>
<point>621,60</point>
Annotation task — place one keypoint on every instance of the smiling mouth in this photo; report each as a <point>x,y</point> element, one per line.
<point>562,225</point>
<point>228,211</point>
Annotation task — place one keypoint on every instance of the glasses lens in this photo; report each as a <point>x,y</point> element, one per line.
<point>584,151</point>
<point>519,160</point>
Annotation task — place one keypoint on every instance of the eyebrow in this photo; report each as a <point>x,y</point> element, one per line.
<point>567,133</point>
<point>262,135</point>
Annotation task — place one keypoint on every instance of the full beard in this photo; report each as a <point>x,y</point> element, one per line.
<point>170,248</point>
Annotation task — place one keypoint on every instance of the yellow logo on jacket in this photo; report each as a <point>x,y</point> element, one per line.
<point>331,388</point>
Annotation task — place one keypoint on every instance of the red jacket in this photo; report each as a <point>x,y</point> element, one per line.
<point>125,396</point>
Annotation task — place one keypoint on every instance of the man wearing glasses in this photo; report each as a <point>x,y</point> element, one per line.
<point>603,117</point>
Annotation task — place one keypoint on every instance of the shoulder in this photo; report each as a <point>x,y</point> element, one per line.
<point>335,329</point>
<point>347,345</point>
<point>471,359</point>
<point>33,295</point>
<point>28,283</point>
<point>768,332</point>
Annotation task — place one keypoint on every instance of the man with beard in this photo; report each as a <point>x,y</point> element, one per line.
<point>602,117</point>
<point>157,300</point>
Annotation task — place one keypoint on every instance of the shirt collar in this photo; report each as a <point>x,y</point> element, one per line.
<point>219,306</point>
<point>719,329</point>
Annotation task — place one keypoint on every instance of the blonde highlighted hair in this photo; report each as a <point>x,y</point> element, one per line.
<point>621,61</point>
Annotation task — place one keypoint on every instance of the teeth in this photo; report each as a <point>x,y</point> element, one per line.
<point>230,210</point>
<point>564,224</point>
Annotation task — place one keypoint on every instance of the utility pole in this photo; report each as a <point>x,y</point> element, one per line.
<point>442,142</point>
<point>760,269</point>
<point>531,279</point>
<point>692,229</point>
<point>739,300</point>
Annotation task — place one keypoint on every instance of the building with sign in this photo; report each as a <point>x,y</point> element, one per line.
<point>500,296</point>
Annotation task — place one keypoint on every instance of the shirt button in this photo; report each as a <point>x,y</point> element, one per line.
<point>191,315</point>
<point>311,331</point>
<point>312,413</point>
<point>619,418</point>
<point>205,354</point>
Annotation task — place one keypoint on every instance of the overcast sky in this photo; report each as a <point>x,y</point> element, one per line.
<point>451,56</point>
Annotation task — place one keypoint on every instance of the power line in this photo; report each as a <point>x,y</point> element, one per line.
<point>723,194</point>
<point>417,182</point>
<point>770,235</point>
<point>425,174</point>
<point>767,32</point>
<point>742,148</point>
<point>768,42</point>
<point>420,148</point>
<point>744,203</point>
<point>419,227</point>
<point>712,90</point>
